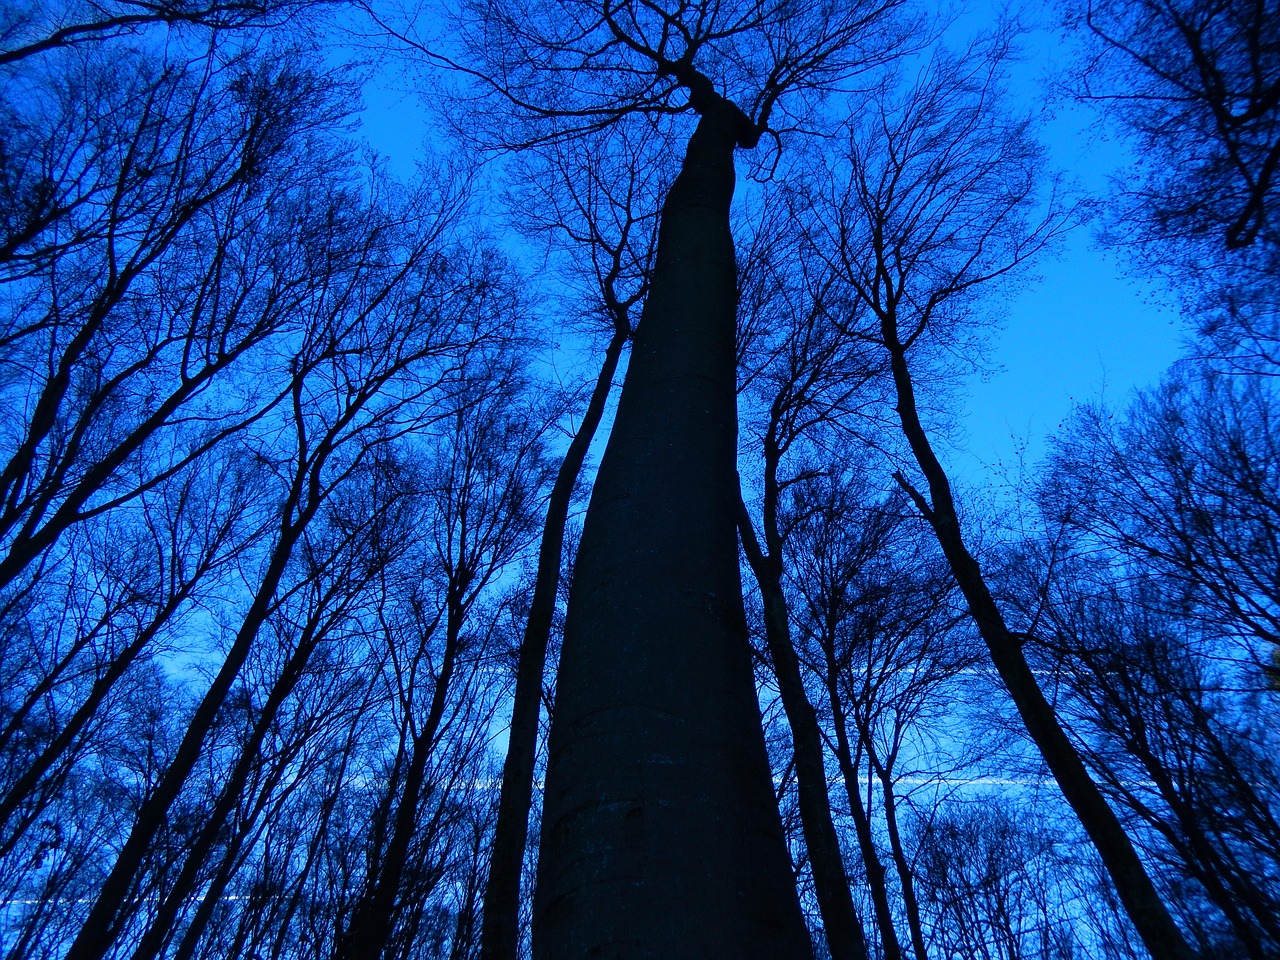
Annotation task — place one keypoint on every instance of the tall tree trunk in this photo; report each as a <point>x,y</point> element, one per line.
<point>500,932</point>
<point>1150,916</point>
<point>661,837</point>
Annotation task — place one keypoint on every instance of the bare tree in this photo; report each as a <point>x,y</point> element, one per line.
<point>656,759</point>
<point>876,616</point>
<point>166,253</point>
<point>939,201</point>
<point>180,547</point>
<point>1196,86</point>
<point>41,27</point>
<point>382,354</point>
<point>153,293</point>
<point>222,338</point>
<point>1185,483</point>
<point>808,378</point>
<point>1173,736</point>
<point>485,490</point>
<point>1198,83</point>
<point>991,882</point>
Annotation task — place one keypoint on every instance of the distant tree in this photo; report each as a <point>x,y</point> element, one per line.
<point>990,881</point>
<point>1185,484</point>
<point>224,340</point>
<point>124,600</point>
<point>272,718</point>
<point>153,258</point>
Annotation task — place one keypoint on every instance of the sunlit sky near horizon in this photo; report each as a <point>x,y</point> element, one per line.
<point>1087,329</point>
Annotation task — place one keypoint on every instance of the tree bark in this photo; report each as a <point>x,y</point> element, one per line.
<point>661,837</point>
<point>500,932</point>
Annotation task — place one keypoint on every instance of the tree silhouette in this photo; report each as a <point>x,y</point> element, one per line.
<point>659,827</point>
<point>282,545</point>
<point>939,200</point>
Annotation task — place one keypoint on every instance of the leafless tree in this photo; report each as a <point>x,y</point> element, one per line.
<point>991,882</point>
<point>653,688</point>
<point>43,27</point>
<point>940,200</point>
<point>1171,733</point>
<point>1198,83</point>
<point>485,489</point>
<point>382,352</point>
<point>875,613</point>
<point>1185,483</point>
<point>1196,86</point>
<point>168,247</point>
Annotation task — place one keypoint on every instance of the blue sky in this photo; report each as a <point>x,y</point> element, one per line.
<point>1089,328</point>
<point>1084,331</point>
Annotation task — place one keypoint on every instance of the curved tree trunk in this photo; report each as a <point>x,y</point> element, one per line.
<point>661,837</point>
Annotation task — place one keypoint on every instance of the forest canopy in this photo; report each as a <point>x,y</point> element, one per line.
<point>560,552</point>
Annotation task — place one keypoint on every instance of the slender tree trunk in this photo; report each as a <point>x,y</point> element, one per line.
<point>181,888</point>
<point>102,926</point>
<point>1220,880</point>
<point>861,822</point>
<point>373,918</point>
<point>465,934</point>
<point>846,939</point>
<point>910,902</point>
<point>60,745</point>
<point>500,932</point>
<point>661,837</point>
<point>1150,916</point>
